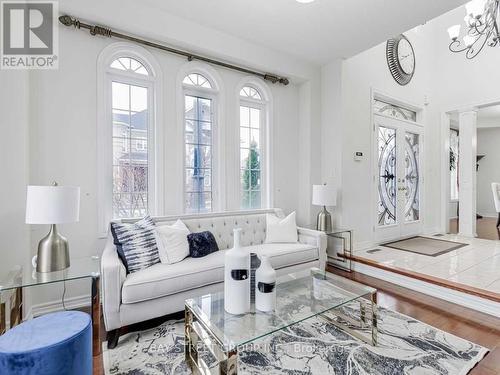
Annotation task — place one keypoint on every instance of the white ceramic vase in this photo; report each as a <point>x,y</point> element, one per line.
<point>265,286</point>
<point>237,278</point>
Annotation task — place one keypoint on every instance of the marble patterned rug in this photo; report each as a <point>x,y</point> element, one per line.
<point>406,346</point>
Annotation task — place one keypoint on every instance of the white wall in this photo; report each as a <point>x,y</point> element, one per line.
<point>443,81</point>
<point>359,76</point>
<point>14,234</point>
<point>55,112</point>
<point>63,132</point>
<point>332,131</point>
<point>488,141</point>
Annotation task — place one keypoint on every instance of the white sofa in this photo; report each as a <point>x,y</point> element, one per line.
<point>162,289</point>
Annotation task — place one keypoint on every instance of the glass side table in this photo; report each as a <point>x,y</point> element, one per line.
<point>11,295</point>
<point>340,259</point>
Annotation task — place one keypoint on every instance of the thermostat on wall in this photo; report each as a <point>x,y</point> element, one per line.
<point>358,156</point>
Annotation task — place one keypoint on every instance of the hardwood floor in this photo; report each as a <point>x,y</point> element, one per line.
<point>486,228</point>
<point>480,328</point>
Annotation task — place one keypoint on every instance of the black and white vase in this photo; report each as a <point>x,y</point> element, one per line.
<point>265,286</point>
<point>237,277</point>
<point>254,265</point>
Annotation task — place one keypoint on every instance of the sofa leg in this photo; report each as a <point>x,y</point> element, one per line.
<point>112,337</point>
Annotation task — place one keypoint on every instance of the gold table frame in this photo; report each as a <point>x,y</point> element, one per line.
<point>198,331</point>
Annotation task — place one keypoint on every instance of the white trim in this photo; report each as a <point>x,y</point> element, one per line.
<point>445,156</point>
<point>276,211</point>
<point>376,94</point>
<point>462,299</point>
<point>104,130</point>
<point>56,305</point>
<point>216,94</point>
<point>265,106</point>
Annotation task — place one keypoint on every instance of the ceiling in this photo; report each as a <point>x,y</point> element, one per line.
<point>317,32</point>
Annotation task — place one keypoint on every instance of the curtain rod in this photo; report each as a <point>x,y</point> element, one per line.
<point>106,31</point>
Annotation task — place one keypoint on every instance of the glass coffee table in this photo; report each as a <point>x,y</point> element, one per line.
<point>299,296</point>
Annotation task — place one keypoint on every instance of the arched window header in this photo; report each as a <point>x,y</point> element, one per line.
<point>129,64</point>
<point>250,92</point>
<point>196,79</point>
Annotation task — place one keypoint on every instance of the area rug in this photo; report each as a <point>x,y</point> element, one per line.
<point>406,346</point>
<point>426,246</point>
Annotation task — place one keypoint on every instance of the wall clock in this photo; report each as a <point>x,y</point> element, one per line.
<point>400,59</point>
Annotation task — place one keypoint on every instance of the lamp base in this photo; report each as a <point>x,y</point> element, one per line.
<point>324,221</point>
<point>53,252</point>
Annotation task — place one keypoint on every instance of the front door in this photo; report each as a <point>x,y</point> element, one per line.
<point>398,179</point>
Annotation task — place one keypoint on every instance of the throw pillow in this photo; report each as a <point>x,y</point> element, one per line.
<point>136,244</point>
<point>172,242</point>
<point>201,244</point>
<point>281,230</point>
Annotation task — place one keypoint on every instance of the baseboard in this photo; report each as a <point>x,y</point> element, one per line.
<point>71,303</point>
<point>489,215</point>
<point>432,231</point>
<point>453,296</point>
<point>363,245</point>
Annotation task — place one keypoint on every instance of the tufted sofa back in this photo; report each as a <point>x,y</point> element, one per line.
<point>252,223</point>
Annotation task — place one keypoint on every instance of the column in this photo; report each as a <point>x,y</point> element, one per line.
<point>467,172</point>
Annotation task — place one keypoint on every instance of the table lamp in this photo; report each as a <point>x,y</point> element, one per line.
<point>324,195</point>
<point>52,205</point>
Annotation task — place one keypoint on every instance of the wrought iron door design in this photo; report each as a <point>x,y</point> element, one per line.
<point>412,174</point>
<point>387,176</point>
<point>397,176</point>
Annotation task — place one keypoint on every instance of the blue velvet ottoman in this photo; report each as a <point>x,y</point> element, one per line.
<point>52,344</point>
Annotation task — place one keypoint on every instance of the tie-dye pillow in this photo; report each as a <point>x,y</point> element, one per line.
<point>136,244</point>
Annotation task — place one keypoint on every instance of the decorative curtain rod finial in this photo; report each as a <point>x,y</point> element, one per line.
<point>69,21</point>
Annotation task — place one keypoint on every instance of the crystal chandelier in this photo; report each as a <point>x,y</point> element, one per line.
<point>482,28</point>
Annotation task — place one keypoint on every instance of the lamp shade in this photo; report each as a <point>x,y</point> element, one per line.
<point>324,195</point>
<point>52,204</point>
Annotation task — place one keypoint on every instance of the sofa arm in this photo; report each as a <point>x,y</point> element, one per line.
<point>113,276</point>
<point>316,238</point>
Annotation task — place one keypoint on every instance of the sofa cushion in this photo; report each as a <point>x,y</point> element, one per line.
<point>286,255</point>
<point>281,230</point>
<point>165,279</point>
<point>201,244</point>
<point>172,242</point>
<point>136,244</point>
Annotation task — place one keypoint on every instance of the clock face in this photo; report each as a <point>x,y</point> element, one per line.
<point>400,59</point>
<point>406,56</point>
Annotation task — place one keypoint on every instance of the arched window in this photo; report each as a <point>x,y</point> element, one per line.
<point>130,105</point>
<point>253,118</point>
<point>126,133</point>
<point>129,64</point>
<point>199,122</point>
<point>195,79</point>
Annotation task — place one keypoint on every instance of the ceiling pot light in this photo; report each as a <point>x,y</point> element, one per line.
<point>304,1</point>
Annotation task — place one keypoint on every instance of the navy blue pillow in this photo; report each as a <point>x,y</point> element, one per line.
<point>201,244</point>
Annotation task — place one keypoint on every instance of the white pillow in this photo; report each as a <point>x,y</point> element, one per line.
<point>281,230</point>
<point>172,242</point>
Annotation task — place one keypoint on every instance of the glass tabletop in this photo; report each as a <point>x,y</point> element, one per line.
<point>299,296</point>
<point>332,231</point>
<point>26,275</point>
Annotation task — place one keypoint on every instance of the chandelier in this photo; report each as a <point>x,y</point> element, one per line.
<point>481,28</point>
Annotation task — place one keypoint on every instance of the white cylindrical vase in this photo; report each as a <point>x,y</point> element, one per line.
<point>265,286</point>
<point>237,278</point>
